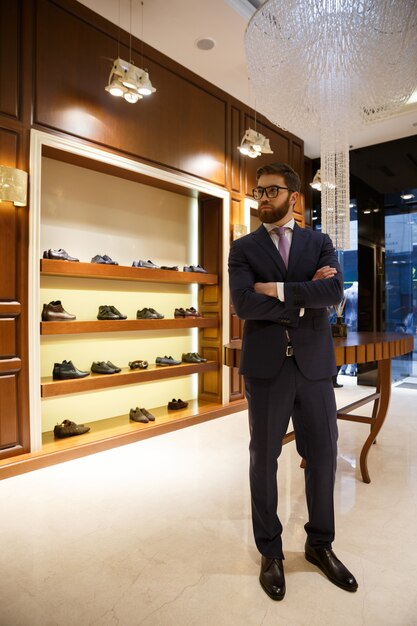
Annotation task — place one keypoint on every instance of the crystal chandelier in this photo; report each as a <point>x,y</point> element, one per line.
<point>335,65</point>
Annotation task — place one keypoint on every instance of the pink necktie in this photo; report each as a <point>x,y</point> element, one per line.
<point>283,244</point>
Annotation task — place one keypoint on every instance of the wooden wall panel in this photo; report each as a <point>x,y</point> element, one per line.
<point>182,125</point>
<point>9,57</point>
<point>8,412</point>
<point>7,337</point>
<point>235,156</point>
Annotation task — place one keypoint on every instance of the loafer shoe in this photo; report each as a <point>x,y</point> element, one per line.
<point>195,268</point>
<point>175,405</point>
<point>272,578</point>
<point>69,429</point>
<point>200,358</point>
<point>55,312</point>
<point>137,416</point>
<point>109,260</point>
<point>330,565</point>
<point>66,371</point>
<point>179,312</point>
<point>190,357</point>
<point>114,367</point>
<point>58,255</point>
<point>105,313</point>
<point>138,364</point>
<point>146,413</point>
<point>166,360</point>
<point>100,367</point>
<point>173,268</point>
<point>146,264</point>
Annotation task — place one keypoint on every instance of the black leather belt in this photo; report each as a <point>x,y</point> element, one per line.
<point>290,350</point>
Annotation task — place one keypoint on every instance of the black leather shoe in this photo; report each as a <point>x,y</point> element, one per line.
<point>175,405</point>
<point>166,360</point>
<point>67,370</point>
<point>190,357</point>
<point>114,367</point>
<point>117,312</point>
<point>58,255</point>
<point>100,367</point>
<point>69,429</point>
<point>272,578</point>
<point>105,313</point>
<point>330,565</point>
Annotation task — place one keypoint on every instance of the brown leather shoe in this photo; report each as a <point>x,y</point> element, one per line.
<point>54,312</point>
<point>272,578</point>
<point>330,565</point>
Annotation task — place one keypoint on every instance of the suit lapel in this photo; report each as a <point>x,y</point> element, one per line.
<point>263,238</point>
<point>299,238</point>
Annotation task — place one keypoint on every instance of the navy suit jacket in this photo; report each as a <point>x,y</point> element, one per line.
<point>254,258</point>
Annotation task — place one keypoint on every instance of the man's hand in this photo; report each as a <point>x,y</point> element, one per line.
<point>324,272</point>
<point>267,289</point>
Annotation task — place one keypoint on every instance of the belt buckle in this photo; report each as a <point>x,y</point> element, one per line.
<point>289,351</point>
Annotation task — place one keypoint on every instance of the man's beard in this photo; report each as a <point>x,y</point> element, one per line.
<point>272,215</point>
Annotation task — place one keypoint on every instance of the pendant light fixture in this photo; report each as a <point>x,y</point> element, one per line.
<point>125,79</point>
<point>253,143</point>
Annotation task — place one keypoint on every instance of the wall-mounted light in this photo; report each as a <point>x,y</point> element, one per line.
<point>129,81</point>
<point>13,185</point>
<point>407,196</point>
<point>254,144</point>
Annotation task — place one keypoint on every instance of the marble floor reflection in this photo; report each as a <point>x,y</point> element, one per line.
<point>158,533</point>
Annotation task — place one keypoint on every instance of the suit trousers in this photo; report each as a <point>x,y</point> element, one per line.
<point>312,406</point>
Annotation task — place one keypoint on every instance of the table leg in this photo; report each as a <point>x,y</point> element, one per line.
<point>379,413</point>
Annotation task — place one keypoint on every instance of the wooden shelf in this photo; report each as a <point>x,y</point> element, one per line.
<point>111,326</point>
<point>113,432</point>
<point>122,272</point>
<point>51,388</point>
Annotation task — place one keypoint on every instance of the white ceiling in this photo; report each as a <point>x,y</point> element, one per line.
<point>173,26</point>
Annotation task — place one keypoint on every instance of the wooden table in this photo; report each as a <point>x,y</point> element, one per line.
<point>363,347</point>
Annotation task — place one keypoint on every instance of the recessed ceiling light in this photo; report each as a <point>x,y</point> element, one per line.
<point>205,43</point>
<point>407,196</point>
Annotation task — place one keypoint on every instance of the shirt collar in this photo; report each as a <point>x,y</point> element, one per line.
<point>289,224</point>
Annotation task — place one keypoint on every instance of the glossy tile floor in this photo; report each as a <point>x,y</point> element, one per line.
<point>158,533</point>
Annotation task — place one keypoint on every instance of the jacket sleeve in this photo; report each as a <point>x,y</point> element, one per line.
<point>255,306</point>
<point>317,294</point>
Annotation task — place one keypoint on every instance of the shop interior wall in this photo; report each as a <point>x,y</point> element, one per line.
<point>55,60</point>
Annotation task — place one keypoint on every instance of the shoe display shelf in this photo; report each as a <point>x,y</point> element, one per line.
<point>109,326</point>
<point>122,272</point>
<point>50,387</point>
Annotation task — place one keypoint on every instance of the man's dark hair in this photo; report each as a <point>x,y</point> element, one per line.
<point>292,179</point>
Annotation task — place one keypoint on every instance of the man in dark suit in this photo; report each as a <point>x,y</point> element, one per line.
<point>282,279</point>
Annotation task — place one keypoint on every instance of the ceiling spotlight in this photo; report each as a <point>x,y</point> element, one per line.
<point>407,196</point>
<point>254,144</point>
<point>129,81</point>
<point>145,87</point>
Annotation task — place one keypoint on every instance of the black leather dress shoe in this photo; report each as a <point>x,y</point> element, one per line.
<point>195,268</point>
<point>100,367</point>
<point>58,255</point>
<point>272,578</point>
<point>66,371</point>
<point>330,565</point>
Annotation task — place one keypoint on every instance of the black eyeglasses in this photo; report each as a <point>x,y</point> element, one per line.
<point>271,192</point>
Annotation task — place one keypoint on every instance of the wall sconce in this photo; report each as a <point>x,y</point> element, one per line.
<point>13,185</point>
<point>254,144</point>
<point>129,81</point>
